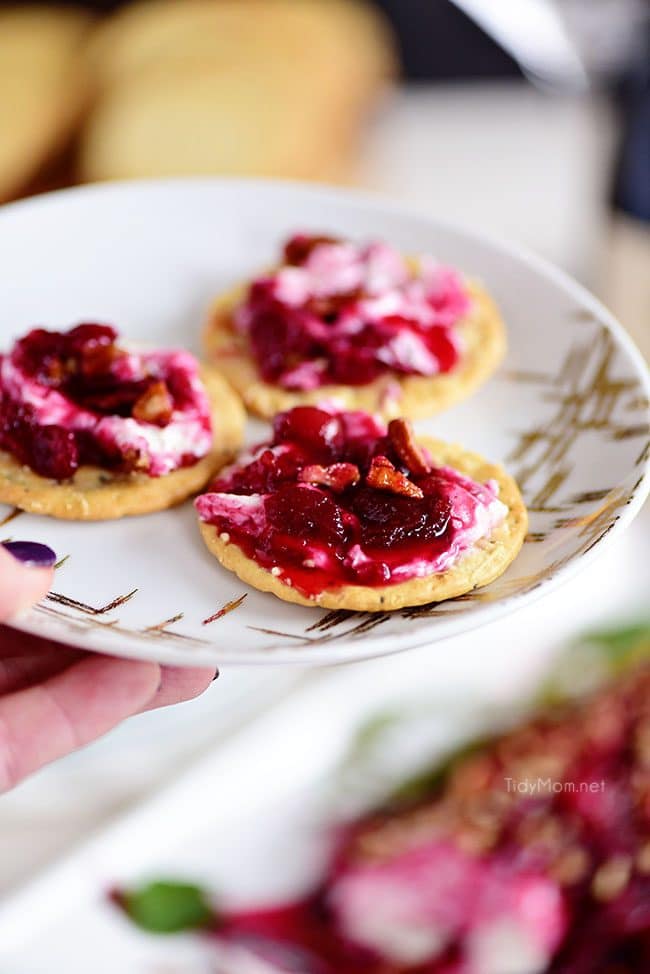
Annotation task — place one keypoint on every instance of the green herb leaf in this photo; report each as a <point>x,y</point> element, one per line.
<point>168,907</point>
<point>370,735</point>
<point>595,658</point>
<point>429,782</point>
<point>623,644</point>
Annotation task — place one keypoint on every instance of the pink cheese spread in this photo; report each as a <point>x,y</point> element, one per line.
<point>337,499</point>
<point>77,398</point>
<point>340,312</point>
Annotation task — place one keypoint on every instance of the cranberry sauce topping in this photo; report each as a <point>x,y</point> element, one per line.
<point>336,499</point>
<point>338,312</point>
<point>77,398</point>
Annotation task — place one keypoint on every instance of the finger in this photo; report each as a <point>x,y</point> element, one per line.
<point>45,722</point>
<point>178,684</point>
<point>15,642</point>
<point>18,672</point>
<point>20,585</point>
<point>26,659</point>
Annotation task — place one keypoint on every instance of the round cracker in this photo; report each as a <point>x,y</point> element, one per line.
<point>482,333</point>
<point>94,494</point>
<point>485,562</point>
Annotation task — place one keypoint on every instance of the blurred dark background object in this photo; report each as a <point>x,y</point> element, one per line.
<point>438,41</point>
<point>632,185</point>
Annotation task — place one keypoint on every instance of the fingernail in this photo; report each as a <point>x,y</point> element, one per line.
<point>31,553</point>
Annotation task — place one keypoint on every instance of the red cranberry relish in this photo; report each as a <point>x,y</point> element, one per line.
<point>61,392</point>
<point>337,499</point>
<point>337,312</point>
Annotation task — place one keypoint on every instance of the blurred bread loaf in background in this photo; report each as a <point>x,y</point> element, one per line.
<point>348,39</point>
<point>203,123</point>
<point>43,88</point>
<point>273,88</point>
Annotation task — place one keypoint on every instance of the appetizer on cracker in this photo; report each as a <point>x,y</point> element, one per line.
<point>341,512</point>
<point>92,429</point>
<point>356,323</point>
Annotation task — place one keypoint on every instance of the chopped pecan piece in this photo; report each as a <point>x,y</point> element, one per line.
<point>298,249</point>
<point>155,405</point>
<point>338,476</point>
<point>55,372</point>
<point>135,459</point>
<point>407,448</point>
<point>97,358</point>
<point>383,476</point>
<point>330,306</point>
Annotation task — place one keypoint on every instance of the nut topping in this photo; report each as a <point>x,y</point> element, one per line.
<point>571,866</point>
<point>337,476</point>
<point>97,359</point>
<point>643,860</point>
<point>298,249</point>
<point>384,476</point>
<point>407,448</point>
<point>155,405</point>
<point>330,306</point>
<point>611,878</point>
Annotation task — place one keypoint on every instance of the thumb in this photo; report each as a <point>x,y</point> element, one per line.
<point>20,584</point>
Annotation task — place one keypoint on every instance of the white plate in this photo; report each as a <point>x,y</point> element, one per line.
<point>568,413</point>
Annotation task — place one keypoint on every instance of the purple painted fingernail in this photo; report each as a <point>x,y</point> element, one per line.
<point>31,553</point>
